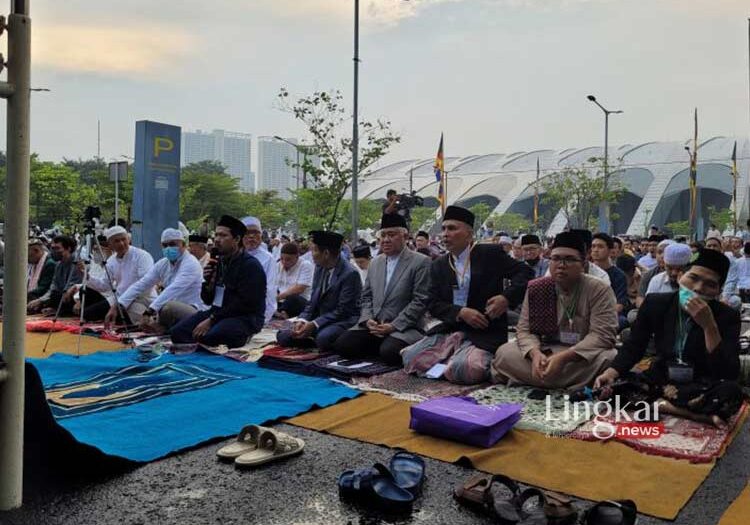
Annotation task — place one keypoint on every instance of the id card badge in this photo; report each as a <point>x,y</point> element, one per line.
<point>219,297</point>
<point>569,338</point>
<point>460,296</point>
<point>680,372</point>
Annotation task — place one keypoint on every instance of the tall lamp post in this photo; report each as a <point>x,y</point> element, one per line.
<point>604,224</point>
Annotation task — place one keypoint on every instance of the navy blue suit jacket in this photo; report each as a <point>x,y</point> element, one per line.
<point>340,304</point>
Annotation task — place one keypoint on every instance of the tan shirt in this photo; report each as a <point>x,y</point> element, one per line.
<point>595,320</point>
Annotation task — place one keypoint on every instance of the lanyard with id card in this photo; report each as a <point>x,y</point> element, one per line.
<point>218,296</point>
<point>680,371</point>
<point>568,336</point>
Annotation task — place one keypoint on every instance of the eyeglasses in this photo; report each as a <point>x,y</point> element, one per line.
<point>564,260</point>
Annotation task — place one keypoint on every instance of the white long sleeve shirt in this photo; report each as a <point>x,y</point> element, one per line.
<point>125,272</point>
<point>269,265</point>
<point>181,282</point>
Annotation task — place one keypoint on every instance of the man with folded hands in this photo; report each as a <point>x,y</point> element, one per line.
<point>334,304</point>
<point>566,333</point>
<point>394,298</point>
<point>468,297</point>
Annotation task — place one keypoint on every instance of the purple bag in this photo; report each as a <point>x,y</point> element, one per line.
<point>462,419</point>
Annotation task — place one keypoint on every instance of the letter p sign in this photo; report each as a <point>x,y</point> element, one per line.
<point>162,145</point>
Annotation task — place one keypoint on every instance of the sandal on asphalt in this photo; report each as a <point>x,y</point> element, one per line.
<point>272,445</point>
<point>408,470</point>
<point>475,491</point>
<point>247,441</point>
<point>504,507</point>
<point>559,509</point>
<point>374,486</point>
<point>620,512</point>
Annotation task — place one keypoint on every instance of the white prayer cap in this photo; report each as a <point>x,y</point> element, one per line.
<point>171,234</point>
<point>504,239</point>
<point>665,243</point>
<point>251,221</point>
<point>677,254</point>
<point>115,230</point>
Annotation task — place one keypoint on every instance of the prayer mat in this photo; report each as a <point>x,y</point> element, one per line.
<point>535,415</point>
<point>142,411</point>
<point>596,471</point>
<point>64,342</point>
<point>739,510</point>
<point>682,438</point>
<point>49,325</point>
<point>409,387</point>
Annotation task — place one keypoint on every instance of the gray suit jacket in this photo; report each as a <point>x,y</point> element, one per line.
<point>404,302</point>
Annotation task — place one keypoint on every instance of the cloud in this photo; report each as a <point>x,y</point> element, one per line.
<point>110,51</point>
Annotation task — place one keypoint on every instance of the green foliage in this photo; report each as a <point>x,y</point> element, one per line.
<point>422,217</point>
<point>311,209</point>
<point>723,219</point>
<point>679,227</point>
<point>578,193</point>
<point>57,194</point>
<point>510,222</point>
<point>481,211</point>
<point>207,191</point>
<point>328,123</point>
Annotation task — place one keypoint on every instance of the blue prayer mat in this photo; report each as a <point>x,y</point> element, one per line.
<point>143,411</point>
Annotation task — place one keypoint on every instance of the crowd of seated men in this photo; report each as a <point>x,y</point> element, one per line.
<point>434,306</point>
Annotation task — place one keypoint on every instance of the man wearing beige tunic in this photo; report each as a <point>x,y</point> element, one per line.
<point>566,332</point>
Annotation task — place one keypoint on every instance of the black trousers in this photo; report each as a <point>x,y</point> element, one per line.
<point>293,305</point>
<point>97,307</point>
<point>361,343</point>
<point>92,297</point>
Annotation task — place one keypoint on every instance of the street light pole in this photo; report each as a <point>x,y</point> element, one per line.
<point>17,91</point>
<point>355,129</point>
<point>604,223</point>
<point>296,147</point>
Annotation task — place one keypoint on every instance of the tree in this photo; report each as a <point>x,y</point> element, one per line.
<point>578,193</point>
<point>510,222</point>
<point>206,191</point>
<point>723,219</point>
<point>422,217</point>
<point>328,123</point>
<point>679,227</point>
<point>268,207</point>
<point>57,194</point>
<point>481,211</point>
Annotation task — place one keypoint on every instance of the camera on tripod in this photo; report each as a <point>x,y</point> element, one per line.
<point>407,201</point>
<point>91,216</point>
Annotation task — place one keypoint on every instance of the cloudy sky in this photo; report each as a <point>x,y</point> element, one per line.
<point>494,75</point>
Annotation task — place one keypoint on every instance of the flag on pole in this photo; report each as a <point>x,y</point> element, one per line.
<point>536,196</point>
<point>734,186</point>
<point>693,183</point>
<point>440,175</point>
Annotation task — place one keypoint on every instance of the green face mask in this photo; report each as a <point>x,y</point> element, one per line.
<point>685,295</point>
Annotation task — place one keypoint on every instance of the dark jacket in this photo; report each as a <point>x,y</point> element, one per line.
<point>45,279</point>
<point>340,304</point>
<point>244,284</point>
<point>657,317</point>
<point>489,266</point>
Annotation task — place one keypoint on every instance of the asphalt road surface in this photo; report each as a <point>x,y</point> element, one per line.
<point>194,488</point>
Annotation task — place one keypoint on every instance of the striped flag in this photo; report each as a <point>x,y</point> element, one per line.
<point>440,175</point>
<point>693,182</point>
<point>536,196</point>
<point>734,186</point>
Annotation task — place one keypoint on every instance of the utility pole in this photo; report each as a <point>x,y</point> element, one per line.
<point>98,139</point>
<point>355,130</point>
<point>17,91</point>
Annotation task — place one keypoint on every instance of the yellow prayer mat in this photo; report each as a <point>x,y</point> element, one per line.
<point>591,470</point>
<point>739,511</point>
<point>66,343</point>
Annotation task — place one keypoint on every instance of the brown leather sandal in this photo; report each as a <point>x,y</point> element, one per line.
<point>475,490</point>
<point>559,508</point>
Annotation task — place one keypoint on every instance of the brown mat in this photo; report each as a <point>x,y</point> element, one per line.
<point>595,471</point>
<point>739,510</point>
<point>66,343</point>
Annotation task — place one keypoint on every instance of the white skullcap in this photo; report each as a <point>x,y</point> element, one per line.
<point>171,234</point>
<point>115,230</point>
<point>251,221</point>
<point>677,254</point>
<point>504,239</point>
<point>665,242</point>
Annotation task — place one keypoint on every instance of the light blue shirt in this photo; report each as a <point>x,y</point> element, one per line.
<point>743,273</point>
<point>730,285</point>
<point>391,262</point>
<point>461,293</point>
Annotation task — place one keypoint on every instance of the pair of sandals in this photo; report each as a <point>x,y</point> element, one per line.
<point>256,445</point>
<point>391,488</point>
<point>536,507</point>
